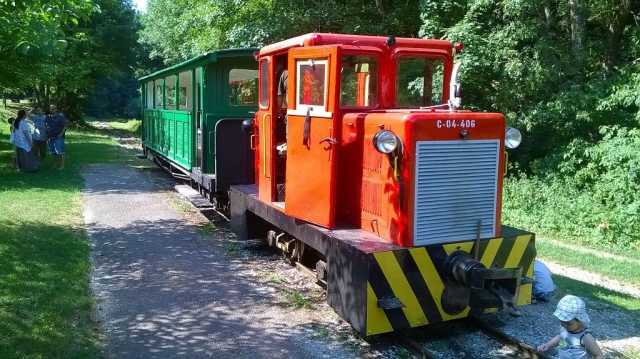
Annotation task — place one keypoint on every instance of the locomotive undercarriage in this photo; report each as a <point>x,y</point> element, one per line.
<point>380,287</point>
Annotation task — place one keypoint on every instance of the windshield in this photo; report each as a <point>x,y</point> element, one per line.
<point>420,81</point>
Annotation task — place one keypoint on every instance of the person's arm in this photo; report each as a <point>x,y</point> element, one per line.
<point>549,345</point>
<point>592,347</point>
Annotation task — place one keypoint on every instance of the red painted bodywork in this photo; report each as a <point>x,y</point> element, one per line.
<point>349,184</point>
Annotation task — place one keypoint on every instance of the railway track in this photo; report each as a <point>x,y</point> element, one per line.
<point>520,348</point>
<point>418,347</point>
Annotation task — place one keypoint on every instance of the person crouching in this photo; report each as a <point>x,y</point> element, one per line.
<point>575,341</point>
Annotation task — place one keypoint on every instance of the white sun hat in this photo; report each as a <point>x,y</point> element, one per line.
<point>572,307</point>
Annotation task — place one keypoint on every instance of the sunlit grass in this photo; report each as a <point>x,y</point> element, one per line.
<point>45,300</point>
<point>624,271</point>
<point>130,125</point>
<point>599,296</point>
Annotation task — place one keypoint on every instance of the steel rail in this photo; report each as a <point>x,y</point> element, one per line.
<point>523,349</point>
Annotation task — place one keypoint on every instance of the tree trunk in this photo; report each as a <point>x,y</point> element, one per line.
<point>576,9</point>
<point>548,19</point>
<point>622,18</point>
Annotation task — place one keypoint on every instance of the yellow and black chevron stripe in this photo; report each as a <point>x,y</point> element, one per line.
<point>415,277</point>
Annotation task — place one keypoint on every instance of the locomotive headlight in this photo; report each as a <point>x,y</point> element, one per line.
<point>512,138</point>
<point>386,141</point>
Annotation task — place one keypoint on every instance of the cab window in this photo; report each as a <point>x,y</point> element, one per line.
<point>243,87</point>
<point>359,81</point>
<point>419,82</point>
<point>311,85</point>
<point>264,83</point>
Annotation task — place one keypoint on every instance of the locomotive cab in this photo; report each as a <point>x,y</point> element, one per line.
<point>404,189</point>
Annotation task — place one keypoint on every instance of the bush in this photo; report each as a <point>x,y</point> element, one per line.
<point>585,192</point>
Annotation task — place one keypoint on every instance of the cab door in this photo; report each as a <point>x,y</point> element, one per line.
<point>263,145</point>
<point>312,134</point>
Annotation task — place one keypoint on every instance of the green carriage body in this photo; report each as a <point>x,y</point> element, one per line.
<point>183,106</point>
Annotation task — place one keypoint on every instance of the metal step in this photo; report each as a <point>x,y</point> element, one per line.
<point>194,197</point>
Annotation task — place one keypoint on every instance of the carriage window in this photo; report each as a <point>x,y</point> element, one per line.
<point>159,93</point>
<point>243,86</point>
<point>170,92</point>
<point>359,81</point>
<point>420,81</point>
<point>185,95</point>
<point>149,94</point>
<point>311,90</point>
<point>264,83</point>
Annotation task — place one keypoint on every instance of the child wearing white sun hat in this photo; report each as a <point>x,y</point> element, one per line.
<point>575,340</point>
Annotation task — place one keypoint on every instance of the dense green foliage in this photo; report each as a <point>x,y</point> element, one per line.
<point>173,29</point>
<point>565,72</point>
<point>58,51</point>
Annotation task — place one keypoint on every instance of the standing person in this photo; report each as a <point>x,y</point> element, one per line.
<point>56,126</point>
<point>23,131</point>
<point>39,140</point>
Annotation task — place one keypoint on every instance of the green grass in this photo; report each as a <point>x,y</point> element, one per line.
<point>622,270</point>
<point>601,298</point>
<point>45,300</point>
<point>132,126</point>
<point>296,299</point>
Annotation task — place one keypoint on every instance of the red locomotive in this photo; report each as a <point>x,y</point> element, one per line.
<point>364,159</point>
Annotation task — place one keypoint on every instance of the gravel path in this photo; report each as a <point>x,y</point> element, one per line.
<point>164,290</point>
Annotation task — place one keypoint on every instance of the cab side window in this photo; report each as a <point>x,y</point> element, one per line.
<point>264,83</point>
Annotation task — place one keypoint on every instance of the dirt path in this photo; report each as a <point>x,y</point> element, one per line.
<point>164,290</point>
<point>593,278</point>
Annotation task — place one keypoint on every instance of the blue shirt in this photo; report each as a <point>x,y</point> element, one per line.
<point>55,124</point>
<point>542,281</point>
<point>39,121</point>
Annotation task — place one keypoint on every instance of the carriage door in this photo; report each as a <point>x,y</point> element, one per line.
<point>198,113</point>
<point>311,135</point>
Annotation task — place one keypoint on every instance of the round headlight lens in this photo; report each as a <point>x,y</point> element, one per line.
<point>386,141</point>
<point>512,138</point>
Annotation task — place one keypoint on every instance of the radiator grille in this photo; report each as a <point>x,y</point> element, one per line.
<point>456,184</point>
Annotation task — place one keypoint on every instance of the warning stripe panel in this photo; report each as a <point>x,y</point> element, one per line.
<point>414,277</point>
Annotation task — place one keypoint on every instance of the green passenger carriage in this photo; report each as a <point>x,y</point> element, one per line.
<point>197,119</point>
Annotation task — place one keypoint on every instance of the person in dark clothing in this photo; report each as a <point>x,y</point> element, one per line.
<point>56,124</point>
<point>40,138</point>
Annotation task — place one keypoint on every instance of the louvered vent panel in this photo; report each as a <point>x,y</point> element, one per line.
<point>456,184</point>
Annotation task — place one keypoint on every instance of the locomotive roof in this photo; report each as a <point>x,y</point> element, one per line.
<point>315,39</point>
<point>207,58</point>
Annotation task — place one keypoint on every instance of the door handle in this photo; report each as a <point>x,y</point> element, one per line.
<point>252,142</point>
<point>330,141</point>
